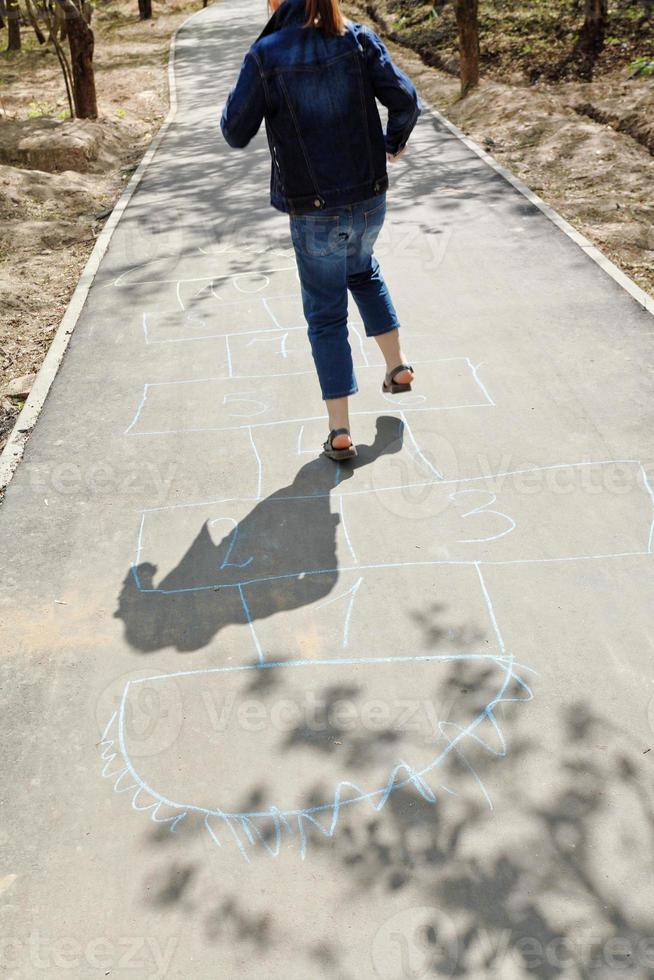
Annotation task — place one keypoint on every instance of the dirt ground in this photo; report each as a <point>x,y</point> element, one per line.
<point>533,38</point>
<point>586,148</point>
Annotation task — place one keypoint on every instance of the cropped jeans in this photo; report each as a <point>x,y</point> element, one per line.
<point>334,253</point>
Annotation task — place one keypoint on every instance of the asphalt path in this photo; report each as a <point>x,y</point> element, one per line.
<point>264,716</point>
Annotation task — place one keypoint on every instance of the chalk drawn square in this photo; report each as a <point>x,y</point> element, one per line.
<point>165,471</point>
<point>281,353</point>
<point>538,514</point>
<point>226,544</point>
<point>201,286</point>
<point>206,315</point>
<point>427,610</point>
<point>388,455</point>
<point>231,403</point>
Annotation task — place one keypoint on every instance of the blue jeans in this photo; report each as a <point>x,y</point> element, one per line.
<point>333,250</point>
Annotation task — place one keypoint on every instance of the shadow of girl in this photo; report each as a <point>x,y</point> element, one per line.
<point>281,556</point>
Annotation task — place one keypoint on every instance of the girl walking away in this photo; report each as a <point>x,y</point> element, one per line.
<point>314,78</point>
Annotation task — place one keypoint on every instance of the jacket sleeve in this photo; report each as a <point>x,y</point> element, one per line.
<point>245,105</point>
<point>394,89</point>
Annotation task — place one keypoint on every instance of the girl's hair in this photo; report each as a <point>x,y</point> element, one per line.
<point>326,15</point>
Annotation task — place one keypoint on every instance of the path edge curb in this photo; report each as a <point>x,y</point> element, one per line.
<point>592,251</point>
<point>14,448</point>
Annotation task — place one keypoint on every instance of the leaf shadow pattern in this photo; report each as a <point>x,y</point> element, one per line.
<point>535,889</point>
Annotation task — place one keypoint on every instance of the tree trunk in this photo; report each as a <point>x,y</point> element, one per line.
<point>50,13</point>
<point>591,37</point>
<point>40,36</point>
<point>467,22</point>
<point>57,21</point>
<point>13,25</point>
<point>145,9</point>
<point>81,42</point>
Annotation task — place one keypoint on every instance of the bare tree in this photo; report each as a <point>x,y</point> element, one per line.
<point>13,26</point>
<point>31,16</point>
<point>590,42</point>
<point>54,19</point>
<point>81,43</point>
<point>468,24</point>
<point>58,22</point>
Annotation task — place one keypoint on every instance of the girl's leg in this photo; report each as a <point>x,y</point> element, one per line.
<point>320,253</point>
<point>339,418</point>
<point>367,285</point>
<point>389,345</point>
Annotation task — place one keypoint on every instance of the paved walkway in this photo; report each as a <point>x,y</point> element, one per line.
<point>263,717</point>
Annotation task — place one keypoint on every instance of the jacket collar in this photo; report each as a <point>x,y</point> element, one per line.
<point>289,12</point>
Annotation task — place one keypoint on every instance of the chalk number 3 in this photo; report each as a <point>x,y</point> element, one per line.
<point>483,508</point>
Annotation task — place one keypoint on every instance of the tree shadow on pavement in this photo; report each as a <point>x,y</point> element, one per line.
<point>174,212</point>
<point>288,541</point>
<point>555,883</point>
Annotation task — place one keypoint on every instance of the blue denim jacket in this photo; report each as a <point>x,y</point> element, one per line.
<point>317,95</point>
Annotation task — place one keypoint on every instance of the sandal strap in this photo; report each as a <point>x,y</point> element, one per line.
<point>401,367</point>
<point>336,432</point>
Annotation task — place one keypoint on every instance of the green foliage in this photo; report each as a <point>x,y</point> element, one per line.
<point>641,66</point>
<point>536,37</point>
<point>37,109</point>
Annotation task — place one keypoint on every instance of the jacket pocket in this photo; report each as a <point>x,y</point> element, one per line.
<point>316,235</point>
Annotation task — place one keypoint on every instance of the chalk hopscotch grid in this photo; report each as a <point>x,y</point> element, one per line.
<point>240,826</point>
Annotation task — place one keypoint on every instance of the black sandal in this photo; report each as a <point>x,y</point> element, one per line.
<point>390,387</point>
<point>328,448</point>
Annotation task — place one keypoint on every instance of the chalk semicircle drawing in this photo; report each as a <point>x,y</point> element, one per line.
<point>288,820</point>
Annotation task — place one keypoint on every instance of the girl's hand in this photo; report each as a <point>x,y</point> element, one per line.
<point>393,158</point>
